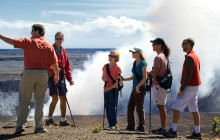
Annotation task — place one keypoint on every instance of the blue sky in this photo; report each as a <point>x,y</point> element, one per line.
<point>71,10</point>
<point>84,21</point>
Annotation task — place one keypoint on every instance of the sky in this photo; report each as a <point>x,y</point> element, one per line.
<point>85,23</point>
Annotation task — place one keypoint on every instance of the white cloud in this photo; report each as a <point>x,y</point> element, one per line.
<point>102,32</point>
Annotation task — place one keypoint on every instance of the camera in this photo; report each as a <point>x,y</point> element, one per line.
<point>61,75</point>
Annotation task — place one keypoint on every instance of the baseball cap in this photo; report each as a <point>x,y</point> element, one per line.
<point>136,50</point>
<point>158,41</point>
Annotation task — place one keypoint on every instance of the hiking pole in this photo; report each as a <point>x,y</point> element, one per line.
<point>70,112</point>
<point>151,81</point>
<point>103,123</point>
<point>150,114</point>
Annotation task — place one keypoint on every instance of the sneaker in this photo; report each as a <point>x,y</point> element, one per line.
<point>19,130</point>
<point>65,123</point>
<point>40,130</point>
<point>141,129</point>
<point>50,122</point>
<point>194,136</point>
<point>158,131</point>
<point>111,128</point>
<point>117,127</point>
<point>170,133</point>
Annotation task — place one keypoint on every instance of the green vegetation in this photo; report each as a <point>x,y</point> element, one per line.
<point>215,129</point>
<point>97,129</point>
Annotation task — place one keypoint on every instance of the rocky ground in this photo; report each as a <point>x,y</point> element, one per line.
<point>84,125</point>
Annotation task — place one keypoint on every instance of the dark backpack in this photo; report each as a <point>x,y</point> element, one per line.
<point>120,85</point>
<point>166,81</point>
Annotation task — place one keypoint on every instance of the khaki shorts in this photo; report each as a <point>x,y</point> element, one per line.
<point>190,98</point>
<point>160,95</point>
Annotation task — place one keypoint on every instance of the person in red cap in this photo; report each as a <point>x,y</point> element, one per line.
<point>188,94</point>
<point>39,55</point>
<point>160,69</point>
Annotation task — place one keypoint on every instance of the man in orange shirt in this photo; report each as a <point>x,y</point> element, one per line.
<point>39,55</point>
<point>188,94</point>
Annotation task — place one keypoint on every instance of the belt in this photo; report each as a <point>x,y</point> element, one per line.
<point>34,69</point>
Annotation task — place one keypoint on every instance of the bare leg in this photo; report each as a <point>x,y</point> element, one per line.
<point>196,117</point>
<point>163,114</point>
<point>52,105</point>
<point>63,106</point>
<point>176,116</point>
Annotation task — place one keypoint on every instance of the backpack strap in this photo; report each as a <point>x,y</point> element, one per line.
<point>109,74</point>
<point>136,74</point>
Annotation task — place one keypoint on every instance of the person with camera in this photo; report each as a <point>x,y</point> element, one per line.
<point>59,90</point>
<point>138,93</point>
<point>188,92</point>
<point>160,69</point>
<point>38,56</point>
<point>111,88</point>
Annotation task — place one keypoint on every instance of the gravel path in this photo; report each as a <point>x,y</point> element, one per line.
<point>84,125</point>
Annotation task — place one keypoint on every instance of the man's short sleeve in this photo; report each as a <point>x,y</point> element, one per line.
<point>22,43</point>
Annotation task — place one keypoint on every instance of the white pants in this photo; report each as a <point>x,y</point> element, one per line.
<point>160,95</point>
<point>190,98</point>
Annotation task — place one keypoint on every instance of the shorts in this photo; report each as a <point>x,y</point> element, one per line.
<point>58,89</point>
<point>160,95</point>
<point>190,98</point>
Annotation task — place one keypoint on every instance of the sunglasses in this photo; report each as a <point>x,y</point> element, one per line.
<point>155,43</point>
<point>111,56</point>
<point>184,44</point>
<point>59,38</point>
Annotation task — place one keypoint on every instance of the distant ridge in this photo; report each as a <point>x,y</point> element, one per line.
<point>20,51</point>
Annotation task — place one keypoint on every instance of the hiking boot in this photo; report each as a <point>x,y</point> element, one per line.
<point>50,122</point>
<point>141,129</point>
<point>40,130</point>
<point>170,133</point>
<point>65,123</point>
<point>194,136</point>
<point>19,130</point>
<point>158,131</point>
<point>129,129</point>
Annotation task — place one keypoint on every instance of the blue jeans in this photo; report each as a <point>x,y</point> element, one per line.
<point>111,98</point>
